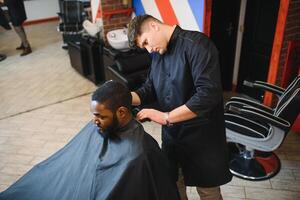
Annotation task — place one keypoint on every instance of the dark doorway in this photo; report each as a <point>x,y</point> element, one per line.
<point>224,25</point>
<point>259,30</point>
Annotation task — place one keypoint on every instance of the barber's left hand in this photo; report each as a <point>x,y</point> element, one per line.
<point>153,115</point>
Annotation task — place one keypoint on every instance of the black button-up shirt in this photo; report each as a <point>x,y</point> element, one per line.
<point>188,73</point>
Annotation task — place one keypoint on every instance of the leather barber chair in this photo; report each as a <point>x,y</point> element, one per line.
<point>130,68</point>
<point>279,92</point>
<point>86,58</point>
<point>265,87</point>
<point>71,15</point>
<point>254,131</point>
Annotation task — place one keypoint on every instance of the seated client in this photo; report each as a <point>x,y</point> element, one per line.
<point>112,158</point>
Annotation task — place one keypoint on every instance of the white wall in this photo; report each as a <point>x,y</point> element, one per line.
<point>41,9</point>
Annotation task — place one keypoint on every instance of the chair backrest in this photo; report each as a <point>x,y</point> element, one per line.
<point>289,106</point>
<point>292,62</point>
<point>292,84</point>
<point>287,93</point>
<point>72,11</point>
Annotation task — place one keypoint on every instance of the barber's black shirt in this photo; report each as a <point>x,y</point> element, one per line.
<point>188,73</point>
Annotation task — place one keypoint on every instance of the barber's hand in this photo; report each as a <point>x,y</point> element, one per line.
<point>1,1</point>
<point>153,115</point>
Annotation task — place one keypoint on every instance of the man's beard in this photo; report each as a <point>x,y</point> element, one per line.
<point>111,131</point>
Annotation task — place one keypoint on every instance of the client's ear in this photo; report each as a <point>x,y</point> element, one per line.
<point>122,112</point>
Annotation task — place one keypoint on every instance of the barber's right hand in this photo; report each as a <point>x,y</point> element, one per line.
<point>153,115</point>
<point>144,120</point>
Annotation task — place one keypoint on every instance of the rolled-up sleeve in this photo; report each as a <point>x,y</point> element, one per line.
<point>204,65</point>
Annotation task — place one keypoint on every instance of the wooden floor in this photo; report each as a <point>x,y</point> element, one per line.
<point>44,103</point>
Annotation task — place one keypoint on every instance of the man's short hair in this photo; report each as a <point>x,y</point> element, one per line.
<point>135,28</point>
<point>113,95</point>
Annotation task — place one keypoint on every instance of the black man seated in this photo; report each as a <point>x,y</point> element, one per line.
<point>112,158</point>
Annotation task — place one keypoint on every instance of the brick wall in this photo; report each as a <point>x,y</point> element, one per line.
<point>117,20</point>
<point>292,32</point>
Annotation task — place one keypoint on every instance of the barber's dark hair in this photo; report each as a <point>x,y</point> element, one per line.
<point>113,95</point>
<point>135,28</point>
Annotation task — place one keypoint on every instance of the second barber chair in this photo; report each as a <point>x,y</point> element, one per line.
<point>86,58</point>
<point>71,15</point>
<point>130,67</point>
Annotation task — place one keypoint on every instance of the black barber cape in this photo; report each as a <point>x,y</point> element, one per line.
<point>92,167</point>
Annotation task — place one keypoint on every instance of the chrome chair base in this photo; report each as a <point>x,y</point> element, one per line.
<point>252,165</point>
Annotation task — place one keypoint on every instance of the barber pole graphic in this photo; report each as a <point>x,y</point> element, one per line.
<point>189,14</point>
<point>96,10</point>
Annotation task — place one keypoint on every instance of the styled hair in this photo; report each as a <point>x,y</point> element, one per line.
<point>113,95</point>
<point>135,28</point>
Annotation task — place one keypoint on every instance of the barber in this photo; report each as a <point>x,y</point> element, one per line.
<point>185,81</point>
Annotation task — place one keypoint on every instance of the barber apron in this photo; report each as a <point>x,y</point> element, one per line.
<point>197,148</point>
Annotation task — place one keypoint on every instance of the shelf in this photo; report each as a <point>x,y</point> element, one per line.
<point>110,13</point>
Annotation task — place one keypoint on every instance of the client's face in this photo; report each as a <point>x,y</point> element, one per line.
<point>104,118</point>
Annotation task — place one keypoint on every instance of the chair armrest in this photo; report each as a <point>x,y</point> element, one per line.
<point>113,70</point>
<point>240,102</point>
<point>261,116</point>
<point>278,91</point>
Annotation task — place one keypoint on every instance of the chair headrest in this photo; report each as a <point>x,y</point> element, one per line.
<point>133,63</point>
<point>91,28</point>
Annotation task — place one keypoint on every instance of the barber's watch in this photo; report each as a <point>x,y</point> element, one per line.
<point>167,119</point>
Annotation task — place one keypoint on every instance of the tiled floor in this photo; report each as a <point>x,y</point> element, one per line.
<point>44,103</point>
